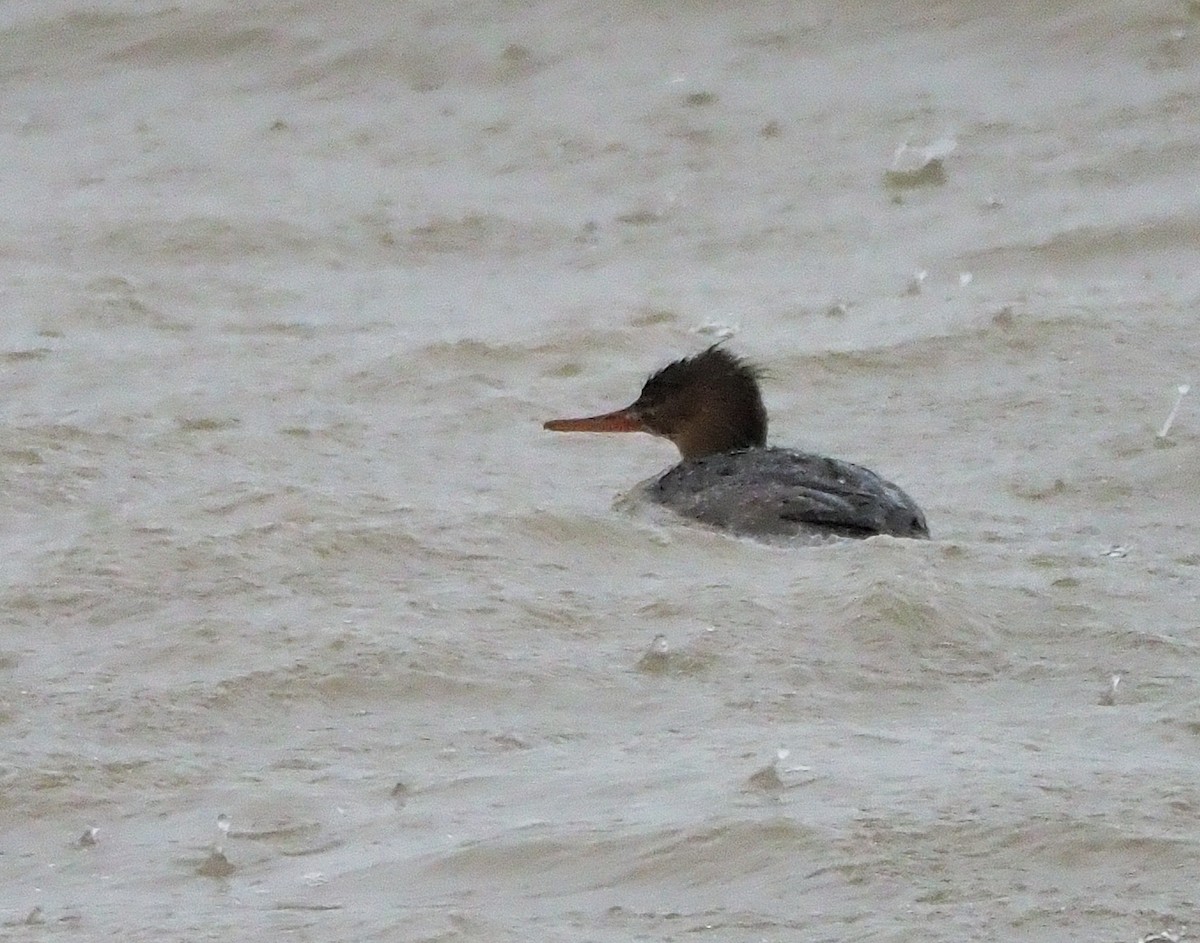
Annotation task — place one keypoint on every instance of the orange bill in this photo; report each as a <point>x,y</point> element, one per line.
<point>623,420</point>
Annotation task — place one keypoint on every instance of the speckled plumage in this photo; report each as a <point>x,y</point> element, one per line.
<point>783,493</point>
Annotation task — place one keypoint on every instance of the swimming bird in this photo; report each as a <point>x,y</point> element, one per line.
<point>710,406</point>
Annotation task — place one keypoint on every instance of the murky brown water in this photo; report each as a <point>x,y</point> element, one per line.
<point>288,289</point>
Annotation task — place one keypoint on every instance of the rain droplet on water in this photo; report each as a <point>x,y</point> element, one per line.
<point>657,656</point>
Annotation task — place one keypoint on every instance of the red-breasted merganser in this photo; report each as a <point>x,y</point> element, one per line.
<point>710,406</point>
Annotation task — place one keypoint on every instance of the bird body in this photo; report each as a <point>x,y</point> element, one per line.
<point>710,406</point>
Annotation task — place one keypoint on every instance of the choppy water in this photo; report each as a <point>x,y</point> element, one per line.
<point>289,288</point>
